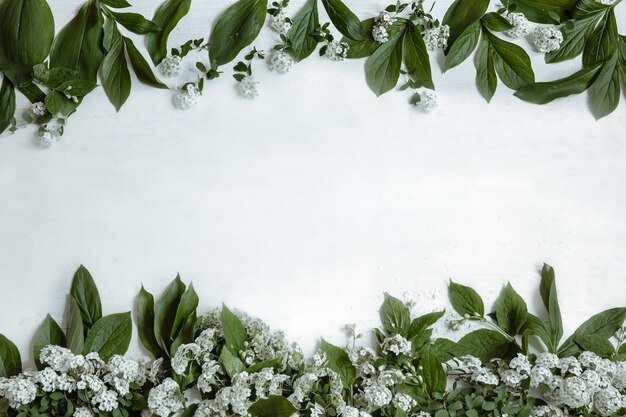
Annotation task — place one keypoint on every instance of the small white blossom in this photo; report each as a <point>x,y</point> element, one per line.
<point>165,399</point>
<point>170,66</point>
<point>521,25</point>
<point>548,360</point>
<point>428,101</point>
<point>380,34</point>
<point>187,98</point>
<point>337,50</point>
<point>38,109</point>
<point>248,87</point>
<point>437,37</point>
<point>397,345</point>
<point>404,402</point>
<point>281,62</point>
<point>608,401</point>
<point>47,139</point>
<point>547,39</point>
<point>83,412</point>
<point>280,23</point>
<point>606,2</point>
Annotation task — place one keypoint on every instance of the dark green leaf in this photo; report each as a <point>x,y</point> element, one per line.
<point>75,334</point>
<point>496,22</point>
<point>115,74</point>
<point>605,91</point>
<point>486,79</point>
<point>339,362</point>
<point>587,8</point>
<point>416,58</point>
<point>551,302</point>
<point>7,103</point>
<point>344,20</point>
<point>231,362</point>
<point>187,307</point>
<point>49,333</point>
<point>145,323</point>
<point>395,316</point>
<point>109,336</point>
<point>362,48</point>
<point>511,311</point>
<point>272,406</point>
<point>382,68</point>
<point>237,28</point>
<point>435,377</point>
<point>601,346</point>
<point>537,328</point>
<point>542,93</point>
<point>58,103</point>
<point>166,17</point>
<point>602,43</point>
<point>542,11</point>
<point>421,323</point>
<point>303,43</point>
<point>512,63</point>
<point>234,330</point>
<point>165,312</point>
<point>78,46</point>
<point>463,47</point>
<point>10,360</point>
<point>465,300</point>
<point>141,67</point>
<point>460,15</point>
<point>118,4</point>
<point>86,294</point>
<point>136,23</point>
<point>603,324</point>
<point>574,37</point>
<point>484,344</point>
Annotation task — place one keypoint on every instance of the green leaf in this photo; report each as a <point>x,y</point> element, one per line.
<point>78,46</point>
<point>382,69</point>
<point>512,63</point>
<point>141,67</point>
<point>237,28</point>
<point>586,8</point>
<point>545,92</point>
<point>421,323</point>
<point>574,37</point>
<point>484,344</point>
<point>602,43</point>
<point>75,333</point>
<point>26,34</point>
<point>118,4</point>
<point>443,348</point>
<point>339,362</point>
<point>463,47</point>
<point>187,307</point>
<point>344,20</point>
<point>109,336</point>
<point>395,316</point>
<point>303,43</point>
<point>511,311</point>
<point>272,406</point>
<point>114,70</point>
<point>10,360</point>
<point>231,363</point>
<point>49,333</point>
<point>234,331</point>
<point>7,103</point>
<point>166,17</point>
<point>603,324</point>
<point>435,376</point>
<point>465,300</point>
<point>460,15</point>
<point>486,79</point>
<point>416,58</point>
<point>538,328</point>
<point>58,103</point>
<point>86,294</point>
<point>145,323</point>
<point>605,90</point>
<point>551,302</point>
<point>136,23</point>
<point>366,47</point>
<point>541,11</point>
<point>601,346</point>
<point>496,22</point>
<point>165,312</point>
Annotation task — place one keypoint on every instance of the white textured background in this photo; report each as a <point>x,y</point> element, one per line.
<point>303,206</point>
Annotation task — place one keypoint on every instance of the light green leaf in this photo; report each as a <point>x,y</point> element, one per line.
<point>421,323</point>
<point>382,69</point>
<point>75,333</point>
<point>272,406</point>
<point>109,336</point>
<point>166,17</point>
<point>78,46</point>
<point>463,47</point>
<point>145,323</point>
<point>545,92</point>
<point>395,316</point>
<point>339,362</point>
<point>465,300</point>
<point>237,28</point>
<point>231,363</point>
<point>141,67</point>
<point>511,311</point>
<point>7,103</point>
<point>303,43</point>
<point>416,58</point>
<point>87,297</point>
<point>460,15</point>
<point>344,20</point>
<point>234,330</point>
<point>10,360</point>
<point>538,328</point>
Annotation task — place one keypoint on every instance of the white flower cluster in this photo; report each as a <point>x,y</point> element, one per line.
<point>187,97</point>
<point>170,66</point>
<point>102,381</point>
<point>589,381</point>
<point>281,62</point>
<point>165,399</point>
<point>38,109</point>
<point>382,23</point>
<point>51,132</point>
<point>306,384</point>
<point>248,87</point>
<point>397,345</point>
<point>280,23</point>
<point>428,101</point>
<point>547,39</point>
<point>337,50</point>
<point>437,37</point>
<point>521,25</point>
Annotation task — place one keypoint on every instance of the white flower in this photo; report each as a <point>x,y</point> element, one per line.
<point>421,414</point>
<point>404,402</point>
<point>511,377</point>
<point>397,345</point>
<point>186,353</point>
<point>83,412</point>
<point>377,395</point>
<point>280,23</point>
<point>248,87</point>
<point>105,400</point>
<point>428,100</point>
<point>547,39</point>
<point>608,401</point>
<point>385,19</point>
<point>619,375</point>
<point>437,37</point>
<point>361,355</point>
<point>606,2</point>
<point>281,62</point>
<point>549,360</point>
<point>347,411</point>
<point>574,393</point>
<point>539,375</point>
<point>38,109</point>
<point>170,66</point>
<point>547,411</point>
<point>187,98</point>
<point>317,410</point>
<point>521,364</point>
<point>485,376</point>
<point>337,50</point>
<point>521,25</point>
<point>18,390</point>
<point>380,34</point>
<point>47,139</point>
<point>165,399</point>
<point>570,365</point>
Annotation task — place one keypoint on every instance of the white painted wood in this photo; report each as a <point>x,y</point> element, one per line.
<point>303,206</point>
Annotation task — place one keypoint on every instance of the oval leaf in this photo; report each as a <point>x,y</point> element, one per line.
<point>109,336</point>
<point>86,294</point>
<point>49,333</point>
<point>10,360</point>
<point>166,17</point>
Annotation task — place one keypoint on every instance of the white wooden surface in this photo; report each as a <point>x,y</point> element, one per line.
<point>303,206</point>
